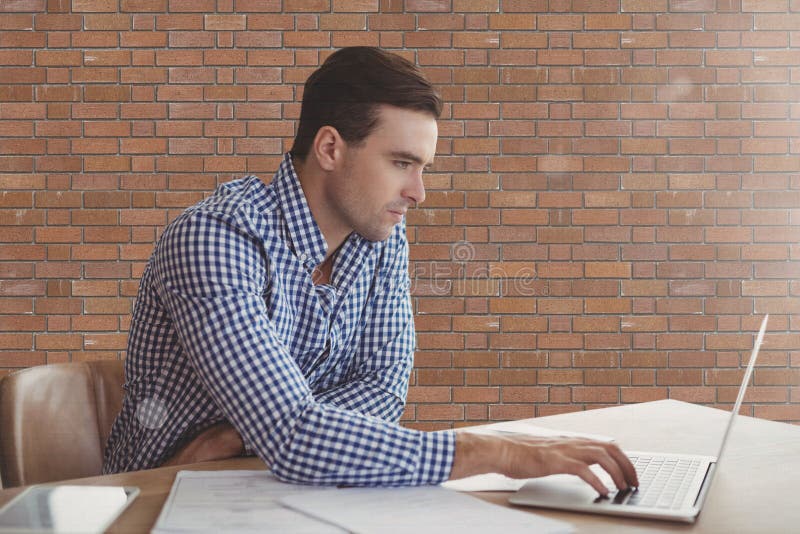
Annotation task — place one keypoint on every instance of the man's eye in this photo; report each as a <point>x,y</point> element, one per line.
<point>402,164</point>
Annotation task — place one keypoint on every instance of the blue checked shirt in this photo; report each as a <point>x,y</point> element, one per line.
<point>228,325</point>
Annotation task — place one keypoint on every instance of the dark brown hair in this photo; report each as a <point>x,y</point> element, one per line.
<point>347,89</point>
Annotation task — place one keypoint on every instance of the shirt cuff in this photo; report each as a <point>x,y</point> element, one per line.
<point>437,454</point>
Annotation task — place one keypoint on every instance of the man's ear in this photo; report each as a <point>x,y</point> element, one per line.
<point>328,148</point>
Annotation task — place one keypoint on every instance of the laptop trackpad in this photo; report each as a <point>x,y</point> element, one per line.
<point>557,491</point>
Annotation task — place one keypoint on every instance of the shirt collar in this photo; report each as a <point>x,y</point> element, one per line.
<point>304,235</point>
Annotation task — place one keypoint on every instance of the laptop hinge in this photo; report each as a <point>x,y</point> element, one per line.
<point>704,487</point>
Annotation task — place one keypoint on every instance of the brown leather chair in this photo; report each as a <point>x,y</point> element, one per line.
<point>55,420</point>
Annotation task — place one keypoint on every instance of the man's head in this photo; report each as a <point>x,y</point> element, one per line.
<point>367,132</point>
<point>348,89</point>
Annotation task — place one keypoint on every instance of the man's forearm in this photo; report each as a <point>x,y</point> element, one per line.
<point>218,442</point>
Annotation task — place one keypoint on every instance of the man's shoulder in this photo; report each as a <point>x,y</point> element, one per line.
<point>241,205</point>
<point>246,193</point>
<point>243,197</point>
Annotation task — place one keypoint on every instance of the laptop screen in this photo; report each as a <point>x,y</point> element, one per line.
<point>747,374</point>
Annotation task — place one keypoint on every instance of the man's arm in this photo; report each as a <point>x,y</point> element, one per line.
<point>383,364</point>
<point>384,356</point>
<point>379,384</point>
<point>514,456</point>
<point>210,272</point>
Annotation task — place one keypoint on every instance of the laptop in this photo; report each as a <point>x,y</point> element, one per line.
<point>672,487</point>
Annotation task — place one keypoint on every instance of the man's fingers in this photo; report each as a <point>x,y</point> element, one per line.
<point>582,470</point>
<point>599,456</point>
<point>608,456</point>
<point>628,470</point>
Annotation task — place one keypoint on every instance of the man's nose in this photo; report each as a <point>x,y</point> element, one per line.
<point>416,191</point>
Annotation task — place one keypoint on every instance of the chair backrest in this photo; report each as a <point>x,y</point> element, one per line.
<point>55,420</point>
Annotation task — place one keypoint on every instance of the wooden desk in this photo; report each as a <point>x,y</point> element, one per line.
<point>754,489</point>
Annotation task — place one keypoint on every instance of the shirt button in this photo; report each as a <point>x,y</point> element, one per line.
<point>303,257</point>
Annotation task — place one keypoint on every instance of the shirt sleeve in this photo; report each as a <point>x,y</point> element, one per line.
<point>385,356</point>
<point>210,270</point>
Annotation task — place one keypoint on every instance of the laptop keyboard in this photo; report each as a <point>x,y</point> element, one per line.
<point>663,482</point>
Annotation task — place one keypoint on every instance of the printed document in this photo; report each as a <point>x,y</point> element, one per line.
<point>234,501</point>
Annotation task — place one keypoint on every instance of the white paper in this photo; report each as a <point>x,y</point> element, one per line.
<point>417,510</point>
<point>234,501</point>
<point>529,429</point>
<point>496,481</point>
<point>485,482</point>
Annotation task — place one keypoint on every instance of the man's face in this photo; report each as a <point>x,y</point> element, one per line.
<point>381,177</point>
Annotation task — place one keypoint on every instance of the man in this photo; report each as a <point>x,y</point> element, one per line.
<point>275,318</point>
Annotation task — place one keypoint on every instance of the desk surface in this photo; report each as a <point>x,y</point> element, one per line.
<point>753,491</point>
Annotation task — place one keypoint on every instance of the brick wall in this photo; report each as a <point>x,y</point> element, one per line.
<point>615,202</point>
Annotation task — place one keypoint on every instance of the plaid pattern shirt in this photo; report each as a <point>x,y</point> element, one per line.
<point>228,325</point>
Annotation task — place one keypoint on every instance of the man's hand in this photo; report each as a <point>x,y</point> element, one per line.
<point>520,456</point>
<point>218,442</point>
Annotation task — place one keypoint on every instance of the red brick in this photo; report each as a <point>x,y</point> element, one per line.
<point>504,412</point>
<point>55,58</point>
<point>143,5</point>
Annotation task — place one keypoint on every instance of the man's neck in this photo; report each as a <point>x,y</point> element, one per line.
<point>311,179</point>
